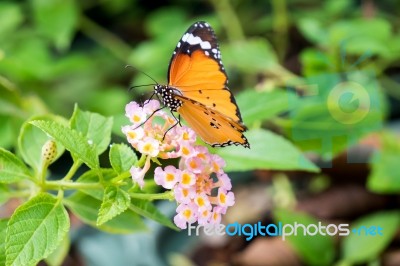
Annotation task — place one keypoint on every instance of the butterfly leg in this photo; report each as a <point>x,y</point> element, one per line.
<point>178,121</point>
<point>147,119</point>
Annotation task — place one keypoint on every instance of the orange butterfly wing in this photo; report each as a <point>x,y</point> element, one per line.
<point>213,127</point>
<point>196,70</point>
<point>197,89</point>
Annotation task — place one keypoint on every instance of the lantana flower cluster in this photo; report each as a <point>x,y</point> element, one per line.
<point>199,184</point>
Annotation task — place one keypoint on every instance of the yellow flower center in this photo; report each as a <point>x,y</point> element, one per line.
<point>170,177</point>
<point>136,118</point>
<point>185,136</point>
<point>200,202</point>
<point>187,213</point>
<point>222,198</point>
<point>185,192</point>
<point>193,164</point>
<point>185,151</point>
<point>132,134</point>
<point>147,147</point>
<point>186,179</point>
<point>201,156</point>
<point>216,167</point>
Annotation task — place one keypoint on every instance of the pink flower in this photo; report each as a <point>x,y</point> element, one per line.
<point>224,181</point>
<point>183,194</point>
<point>135,113</point>
<point>202,202</point>
<point>204,216</point>
<point>186,214</point>
<point>215,216</point>
<point>193,181</point>
<point>217,163</point>
<point>225,199</point>
<point>138,173</point>
<point>150,106</point>
<point>187,179</point>
<point>167,178</point>
<point>194,164</point>
<point>149,146</point>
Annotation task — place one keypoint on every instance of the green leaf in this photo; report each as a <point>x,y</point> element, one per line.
<point>3,231</point>
<point>363,245</point>
<point>12,169</point>
<point>148,210</point>
<point>11,17</point>
<point>72,141</point>
<point>94,127</point>
<point>361,36</point>
<point>56,20</point>
<point>114,203</point>
<point>267,151</point>
<point>87,207</point>
<point>122,157</point>
<point>7,131</point>
<point>258,106</point>
<point>251,55</point>
<point>314,250</point>
<point>335,113</point>
<point>60,253</point>
<point>4,194</point>
<point>35,230</point>
<point>313,30</point>
<point>385,177</point>
<point>31,140</point>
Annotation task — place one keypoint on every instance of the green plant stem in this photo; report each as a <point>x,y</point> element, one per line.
<point>141,161</point>
<point>69,185</point>
<point>280,25</point>
<point>105,38</point>
<point>75,166</point>
<point>156,196</point>
<point>229,19</point>
<point>122,176</point>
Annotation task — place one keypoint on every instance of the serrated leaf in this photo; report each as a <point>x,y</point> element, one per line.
<point>115,201</point>
<point>35,230</point>
<point>94,127</point>
<point>3,230</point>
<point>87,207</point>
<point>267,151</point>
<point>59,254</point>
<point>122,157</point>
<point>56,20</point>
<point>71,140</point>
<point>313,249</point>
<point>31,140</point>
<point>357,247</point>
<point>148,210</point>
<point>12,169</point>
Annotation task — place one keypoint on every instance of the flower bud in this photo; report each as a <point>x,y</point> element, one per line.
<point>49,152</point>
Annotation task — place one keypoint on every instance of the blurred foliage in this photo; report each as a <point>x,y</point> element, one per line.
<point>56,53</point>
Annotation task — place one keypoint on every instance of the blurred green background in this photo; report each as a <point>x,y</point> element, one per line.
<point>55,53</point>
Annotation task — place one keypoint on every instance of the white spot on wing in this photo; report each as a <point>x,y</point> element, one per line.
<point>193,40</point>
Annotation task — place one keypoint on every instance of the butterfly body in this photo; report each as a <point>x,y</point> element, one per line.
<point>197,89</point>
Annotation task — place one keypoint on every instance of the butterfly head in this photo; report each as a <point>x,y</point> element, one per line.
<point>167,94</point>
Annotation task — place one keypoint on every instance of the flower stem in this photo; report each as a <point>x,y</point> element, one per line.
<point>168,195</point>
<point>62,184</point>
<point>72,170</point>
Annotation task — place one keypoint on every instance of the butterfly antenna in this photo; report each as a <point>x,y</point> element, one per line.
<point>156,83</point>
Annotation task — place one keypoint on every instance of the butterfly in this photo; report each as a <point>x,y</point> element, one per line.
<point>197,89</point>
